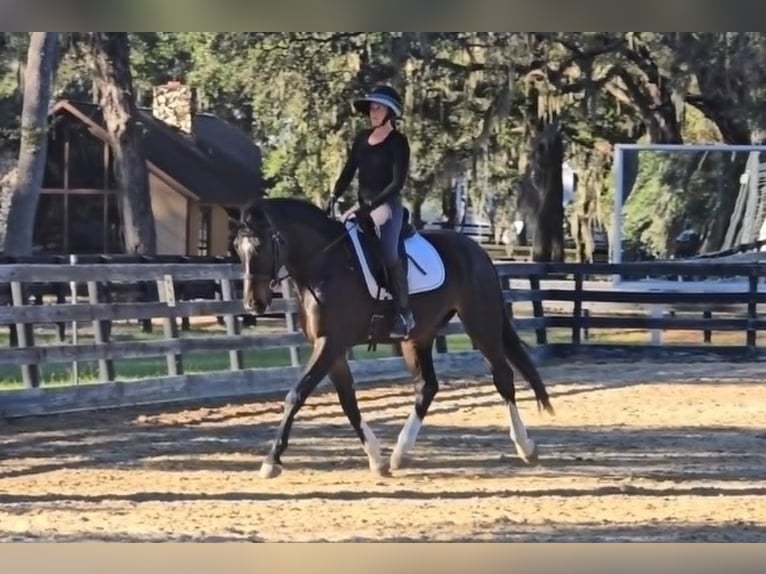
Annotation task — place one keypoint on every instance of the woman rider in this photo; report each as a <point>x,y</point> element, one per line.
<point>381,154</point>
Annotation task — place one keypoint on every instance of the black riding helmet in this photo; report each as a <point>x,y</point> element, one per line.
<point>383,95</point>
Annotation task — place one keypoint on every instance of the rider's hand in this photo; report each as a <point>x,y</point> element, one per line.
<point>363,218</point>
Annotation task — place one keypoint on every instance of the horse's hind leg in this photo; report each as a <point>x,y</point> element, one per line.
<point>485,330</point>
<point>341,378</point>
<point>419,359</point>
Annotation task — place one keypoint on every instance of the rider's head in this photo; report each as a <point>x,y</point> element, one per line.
<point>381,105</point>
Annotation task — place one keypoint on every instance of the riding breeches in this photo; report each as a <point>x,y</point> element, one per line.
<point>388,224</point>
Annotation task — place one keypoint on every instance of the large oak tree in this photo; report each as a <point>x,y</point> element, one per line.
<point>110,58</point>
<point>38,80</point>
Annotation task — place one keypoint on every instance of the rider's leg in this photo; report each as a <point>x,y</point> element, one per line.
<point>388,220</point>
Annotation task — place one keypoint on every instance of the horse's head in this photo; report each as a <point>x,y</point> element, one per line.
<point>260,249</point>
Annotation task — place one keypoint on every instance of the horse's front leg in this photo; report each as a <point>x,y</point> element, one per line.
<point>341,377</point>
<point>322,358</point>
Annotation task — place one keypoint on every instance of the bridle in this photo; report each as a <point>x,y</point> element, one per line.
<point>277,242</point>
<point>277,249</point>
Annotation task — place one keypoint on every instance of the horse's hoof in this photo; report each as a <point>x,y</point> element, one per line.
<point>379,467</point>
<point>397,461</point>
<point>532,457</point>
<point>381,470</point>
<point>269,470</point>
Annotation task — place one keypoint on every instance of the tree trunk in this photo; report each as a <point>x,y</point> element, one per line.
<point>416,215</point>
<point>547,159</point>
<point>449,207</point>
<point>110,53</point>
<point>38,81</point>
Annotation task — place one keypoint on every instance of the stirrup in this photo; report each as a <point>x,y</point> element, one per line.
<point>403,325</point>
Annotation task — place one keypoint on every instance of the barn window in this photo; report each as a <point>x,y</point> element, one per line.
<point>86,223</point>
<point>86,160</point>
<point>48,233</point>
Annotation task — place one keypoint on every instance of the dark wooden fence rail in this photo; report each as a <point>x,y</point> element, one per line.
<point>736,305</point>
<point>573,287</point>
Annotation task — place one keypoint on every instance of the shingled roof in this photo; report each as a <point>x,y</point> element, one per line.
<point>217,164</point>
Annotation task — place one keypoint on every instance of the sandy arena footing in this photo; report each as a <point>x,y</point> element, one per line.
<point>655,452</point>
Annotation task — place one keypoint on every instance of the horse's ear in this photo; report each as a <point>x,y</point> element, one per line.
<point>234,213</point>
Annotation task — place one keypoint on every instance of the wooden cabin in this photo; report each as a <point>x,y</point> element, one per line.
<point>197,163</point>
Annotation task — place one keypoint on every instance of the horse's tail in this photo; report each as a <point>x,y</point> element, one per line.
<point>517,352</point>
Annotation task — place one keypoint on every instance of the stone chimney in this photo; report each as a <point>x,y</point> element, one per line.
<point>175,104</point>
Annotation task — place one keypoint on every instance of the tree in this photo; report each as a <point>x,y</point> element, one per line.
<point>110,60</point>
<point>38,80</point>
<point>477,104</point>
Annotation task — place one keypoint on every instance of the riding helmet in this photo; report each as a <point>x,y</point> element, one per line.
<point>383,95</point>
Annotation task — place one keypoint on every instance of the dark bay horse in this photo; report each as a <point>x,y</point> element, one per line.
<point>294,235</point>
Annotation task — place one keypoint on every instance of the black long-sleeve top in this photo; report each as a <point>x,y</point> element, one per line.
<point>382,167</point>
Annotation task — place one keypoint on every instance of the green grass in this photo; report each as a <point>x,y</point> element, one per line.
<point>60,374</point>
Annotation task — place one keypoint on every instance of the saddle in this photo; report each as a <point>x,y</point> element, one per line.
<point>424,268</point>
<point>373,251</point>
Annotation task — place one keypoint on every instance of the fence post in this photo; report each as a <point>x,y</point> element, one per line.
<point>657,311</point>
<point>166,294</point>
<point>60,300</point>
<point>707,334</point>
<point>505,283</point>
<point>25,338</point>
<point>145,296</point>
<point>577,309</point>
<point>232,326</point>
<point>101,334</point>
<point>752,309</point>
<point>537,310</point>
<point>185,320</point>
<point>586,329</point>
<point>75,334</point>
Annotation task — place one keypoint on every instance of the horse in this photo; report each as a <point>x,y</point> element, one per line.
<point>338,280</point>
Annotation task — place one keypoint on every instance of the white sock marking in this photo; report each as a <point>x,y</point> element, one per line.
<point>371,446</point>
<point>407,436</point>
<point>524,445</point>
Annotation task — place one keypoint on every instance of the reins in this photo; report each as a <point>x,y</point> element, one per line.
<point>277,240</point>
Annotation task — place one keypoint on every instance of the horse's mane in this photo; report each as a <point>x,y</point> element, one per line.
<point>300,211</point>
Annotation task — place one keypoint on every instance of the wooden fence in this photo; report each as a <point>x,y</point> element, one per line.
<point>545,300</point>
<point>716,297</point>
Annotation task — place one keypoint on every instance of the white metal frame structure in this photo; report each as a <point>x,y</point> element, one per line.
<point>615,241</point>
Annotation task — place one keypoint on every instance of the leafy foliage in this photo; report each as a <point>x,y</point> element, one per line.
<point>474,104</point>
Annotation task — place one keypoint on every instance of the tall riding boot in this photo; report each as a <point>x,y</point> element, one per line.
<point>404,322</point>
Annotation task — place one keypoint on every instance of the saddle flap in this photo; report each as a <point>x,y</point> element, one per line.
<point>424,266</point>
